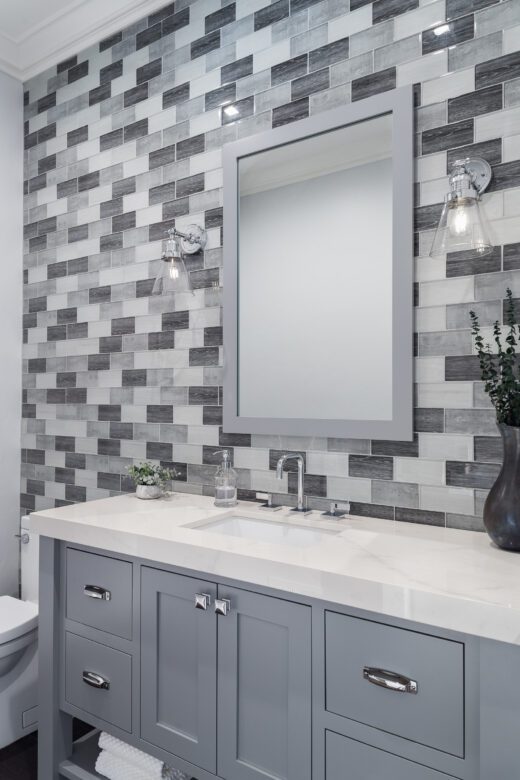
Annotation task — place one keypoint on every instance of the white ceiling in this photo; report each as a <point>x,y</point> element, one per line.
<point>35,34</point>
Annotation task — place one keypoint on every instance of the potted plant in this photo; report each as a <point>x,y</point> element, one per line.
<point>501,375</point>
<point>150,480</point>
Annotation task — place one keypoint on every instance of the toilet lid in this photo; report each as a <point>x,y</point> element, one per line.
<point>16,618</point>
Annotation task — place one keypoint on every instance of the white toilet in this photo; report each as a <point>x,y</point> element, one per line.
<point>19,648</point>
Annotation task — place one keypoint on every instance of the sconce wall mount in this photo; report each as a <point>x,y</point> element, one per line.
<point>462,224</point>
<point>174,276</point>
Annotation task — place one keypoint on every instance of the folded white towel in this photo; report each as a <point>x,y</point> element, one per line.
<point>115,768</point>
<point>152,767</point>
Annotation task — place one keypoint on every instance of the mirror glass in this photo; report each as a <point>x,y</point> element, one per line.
<point>315,276</point>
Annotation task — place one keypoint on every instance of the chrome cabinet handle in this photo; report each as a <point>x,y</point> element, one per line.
<point>222,606</point>
<point>390,680</point>
<point>96,592</point>
<point>96,681</point>
<point>202,600</point>
<point>24,538</point>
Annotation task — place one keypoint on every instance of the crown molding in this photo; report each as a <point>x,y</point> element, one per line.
<point>62,35</point>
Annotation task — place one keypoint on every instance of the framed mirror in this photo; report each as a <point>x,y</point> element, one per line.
<point>318,252</point>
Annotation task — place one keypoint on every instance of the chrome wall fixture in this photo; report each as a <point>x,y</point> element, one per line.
<point>462,225</point>
<point>174,276</point>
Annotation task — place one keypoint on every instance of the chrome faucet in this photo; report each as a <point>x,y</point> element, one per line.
<point>301,465</point>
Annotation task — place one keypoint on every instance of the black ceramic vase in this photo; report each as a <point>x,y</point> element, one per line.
<point>502,507</point>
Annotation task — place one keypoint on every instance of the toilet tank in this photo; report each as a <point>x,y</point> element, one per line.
<point>30,561</point>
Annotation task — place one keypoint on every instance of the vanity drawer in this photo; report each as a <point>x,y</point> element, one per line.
<point>358,650</point>
<point>99,592</point>
<point>347,759</point>
<point>108,696</point>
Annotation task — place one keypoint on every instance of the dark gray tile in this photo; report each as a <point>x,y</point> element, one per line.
<point>88,181</point>
<point>372,510</point>
<point>176,21</point>
<point>288,70</point>
<point>135,377</point>
<point>112,71</point>
<point>462,368</point>
<point>427,217</point>
<point>200,396</point>
<point>221,96</point>
<point>176,208</point>
<point>459,30</point>
<point>112,40</point>
<point>98,94</point>
<point>241,109</point>
<point>439,139</point>
<point>161,14</point>
<point>161,340</point>
<point>190,146</point>
<point>488,449</point>
<point>78,136</point>
<point>136,130</point>
<point>66,188</point>
<point>387,9</point>
<point>162,193</point>
<point>175,320</point>
<point>123,325</point>
<point>429,420</point>
<point>505,176</point>
<point>123,222</point>
<point>474,421</point>
<point>482,101</point>
<point>291,112</point>
<point>109,412</point>
<point>109,344</point>
<point>497,70</point>
<point>407,449</point>
<point>161,157</point>
<point>190,185</point>
<point>46,102</point>
<point>237,70</point>
<point>178,94</point>
<point>219,18</point>
<point>47,163</point>
<point>469,474</point>
<point>469,262</point>
<point>329,54</point>
<point>156,413</point>
<point>205,44</point>
<point>422,516</point>
<point>511,257</point>
<point>77,233</point>
<point>375,467</point>
<point>271,14</point>
<point>149,71</point>
<point>374,83</point>
<point>313,484</point>
<point>148,36</point>
<point>136,94</point>
<point>204,356</point>
<point>66,64</point>
<point>307,85</point>
<point>123,187</point>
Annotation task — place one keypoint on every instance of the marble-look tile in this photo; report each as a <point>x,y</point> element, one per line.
<point>449,395</point>
<point>512,93</point>
<point>483,101</point>
<point>471,53</point>
<point>373,84</point>
<point>438,446</point>
<point>403,495</point>
<point>375,467</point>
<point>474,475</point>
<point>447,499</point>
<point>351,69</point>
<point>469,262</point>
<point>497,70</point>
<point>458,31</point>
<point>387,9</point>
<point>498,17</point>
<point>440,138</point>
<point>457,315</point>
<point>373,38</point>
<point>291,112</point>
<point>330,98</point>
<point>395,53</point>
<point>307,85</point>
<point>448,86</point>
<point>329,54</point>
<point>456,8</point>
<point>423,18</point>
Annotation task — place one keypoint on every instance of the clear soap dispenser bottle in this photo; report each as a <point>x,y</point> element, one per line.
<point>225,482</point>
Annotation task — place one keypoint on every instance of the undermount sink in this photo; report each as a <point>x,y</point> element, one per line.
<point>271,531</point>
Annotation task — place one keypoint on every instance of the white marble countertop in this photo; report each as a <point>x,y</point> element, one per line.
<point>452,579</point>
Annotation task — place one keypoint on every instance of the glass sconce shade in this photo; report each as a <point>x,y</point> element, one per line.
<point>462,226</point>
<point>173,276</point>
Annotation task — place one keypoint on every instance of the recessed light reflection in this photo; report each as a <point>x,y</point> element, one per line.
<point>444,28</point>
<point>231,111</point>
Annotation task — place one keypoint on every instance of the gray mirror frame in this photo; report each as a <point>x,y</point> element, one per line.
<point>400,103</point>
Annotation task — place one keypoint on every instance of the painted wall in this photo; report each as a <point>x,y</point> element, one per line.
<point>125,139</point>
<point>11,224</point>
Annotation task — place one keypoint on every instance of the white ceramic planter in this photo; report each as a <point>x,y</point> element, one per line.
<point>148,491</point>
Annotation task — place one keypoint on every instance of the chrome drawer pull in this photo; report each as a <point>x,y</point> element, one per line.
<point>202,600</point>
<point>95,592</point>
<point>222,606</point>
<point>390,680</point>
<point>96,681</point>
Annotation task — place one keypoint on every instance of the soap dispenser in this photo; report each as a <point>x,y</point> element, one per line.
<point>225,482</point>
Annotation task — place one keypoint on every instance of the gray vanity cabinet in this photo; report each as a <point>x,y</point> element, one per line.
<point>179,666</point>
<point>225,677</point>
<point>264,688</point>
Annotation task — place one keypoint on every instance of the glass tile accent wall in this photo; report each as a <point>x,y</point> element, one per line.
<point>125,140</point>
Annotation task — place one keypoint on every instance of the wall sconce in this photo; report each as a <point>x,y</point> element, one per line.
<point>462,224</point>
<point>174,276</point>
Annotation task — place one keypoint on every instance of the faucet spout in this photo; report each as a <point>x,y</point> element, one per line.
<point>300,507</point>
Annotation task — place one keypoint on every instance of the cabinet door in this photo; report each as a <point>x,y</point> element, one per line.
<point>264,688</point>
<point>178,667</point>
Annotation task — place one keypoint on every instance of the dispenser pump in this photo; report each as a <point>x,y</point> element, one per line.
<point>225,482</point>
